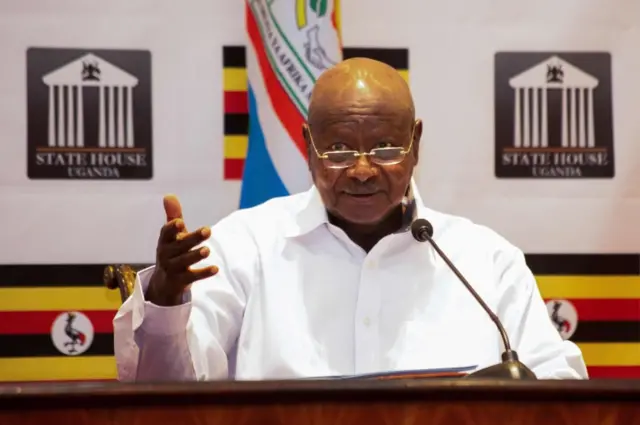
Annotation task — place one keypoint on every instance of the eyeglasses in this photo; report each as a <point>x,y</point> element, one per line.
<point>381,156</point>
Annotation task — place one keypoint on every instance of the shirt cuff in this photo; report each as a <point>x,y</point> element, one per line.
<point>157,320</point>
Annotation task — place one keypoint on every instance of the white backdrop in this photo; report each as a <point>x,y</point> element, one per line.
<point>451,47</point>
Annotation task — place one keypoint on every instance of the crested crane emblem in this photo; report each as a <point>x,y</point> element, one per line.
<point>564,317</point>
<point>72,333</point>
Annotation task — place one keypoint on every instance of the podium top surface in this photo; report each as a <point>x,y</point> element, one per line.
<point>259,392</point>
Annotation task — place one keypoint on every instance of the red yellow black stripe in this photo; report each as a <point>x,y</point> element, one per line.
<point>614,372</point>
<point>605,291</point>
<point>584,264</point>
<point>603,288</point>
<point>31,297</point>
<point>39,322</point>
<point>41,346</point>
<point>236,111</point>
<point>606,310</point>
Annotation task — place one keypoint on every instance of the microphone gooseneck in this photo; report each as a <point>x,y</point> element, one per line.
<point>511,367</point>
<point>422,231</point>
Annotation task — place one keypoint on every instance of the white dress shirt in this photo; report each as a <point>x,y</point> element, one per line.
<point>296,298</point>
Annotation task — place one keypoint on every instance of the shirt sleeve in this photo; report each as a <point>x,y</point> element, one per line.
<point>190,341</point>
<point>525,318</point>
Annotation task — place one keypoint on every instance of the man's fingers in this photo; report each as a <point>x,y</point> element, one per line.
<point>182,262</point>
<point>172,207</point>
<point>198,236</point>
<point>171,230</point>
<point>194,275</point>
<point>203,273</point>
<point>184,241</point>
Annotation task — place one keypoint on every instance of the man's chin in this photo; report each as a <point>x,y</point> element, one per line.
<point>365,216</point>
<point>365,221</point>
<point>365,210</point>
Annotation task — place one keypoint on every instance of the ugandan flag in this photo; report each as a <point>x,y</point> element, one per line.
<point>604,289</point>
<point>605,292</point>
<point>32,297</point>
<point>236,110</point>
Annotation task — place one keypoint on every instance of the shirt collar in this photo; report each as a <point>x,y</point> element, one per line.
<point>312,214</point>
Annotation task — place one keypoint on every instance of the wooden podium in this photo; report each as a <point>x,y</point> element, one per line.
<point>318,402</point>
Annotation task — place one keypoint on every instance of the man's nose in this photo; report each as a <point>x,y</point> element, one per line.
<point>363,169</point>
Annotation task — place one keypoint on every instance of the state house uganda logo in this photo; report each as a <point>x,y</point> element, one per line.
<point>553,115</point>
<point>89,114</point>
<point>564,317</point>
<point>72,333</point>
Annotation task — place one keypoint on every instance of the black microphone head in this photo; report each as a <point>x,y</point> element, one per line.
<point>421,230</point>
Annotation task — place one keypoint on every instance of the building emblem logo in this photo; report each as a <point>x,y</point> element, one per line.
<point>553,115</point>
<point>89,114</point>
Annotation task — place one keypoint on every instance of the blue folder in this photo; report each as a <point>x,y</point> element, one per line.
<point>407,374</point>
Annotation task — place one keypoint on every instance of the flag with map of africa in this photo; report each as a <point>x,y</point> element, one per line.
<point>290,43</point>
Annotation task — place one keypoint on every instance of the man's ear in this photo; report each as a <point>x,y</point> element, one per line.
<point>307,139</point>
<point>417,136</point>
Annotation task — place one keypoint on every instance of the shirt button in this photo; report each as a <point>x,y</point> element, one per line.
<point>372,264</point>
<point>366,321</point>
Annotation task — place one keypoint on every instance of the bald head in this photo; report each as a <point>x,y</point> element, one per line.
<point>359,81</point>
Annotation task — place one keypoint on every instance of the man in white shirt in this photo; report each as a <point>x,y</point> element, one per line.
<point>331,282</point>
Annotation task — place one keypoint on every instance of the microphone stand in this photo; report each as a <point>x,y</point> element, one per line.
<point>510,367</point>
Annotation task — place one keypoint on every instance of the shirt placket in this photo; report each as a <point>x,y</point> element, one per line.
<point>367,317</point>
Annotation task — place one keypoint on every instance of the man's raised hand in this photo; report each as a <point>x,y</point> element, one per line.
<point>175,254</point>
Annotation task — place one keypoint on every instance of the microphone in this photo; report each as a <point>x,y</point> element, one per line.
<point>510,367</point>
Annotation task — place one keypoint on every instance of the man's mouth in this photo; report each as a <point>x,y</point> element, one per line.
<point>361,195</point>
<point>361,192</point>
